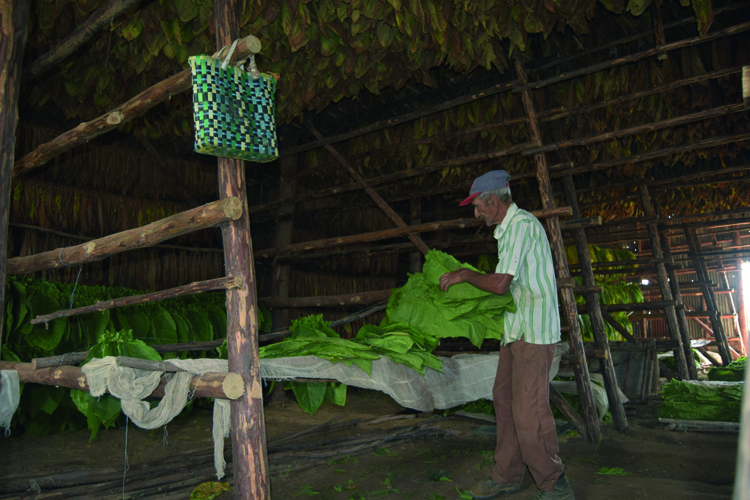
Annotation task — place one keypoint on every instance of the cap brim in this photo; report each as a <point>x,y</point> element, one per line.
<point>468,200</point>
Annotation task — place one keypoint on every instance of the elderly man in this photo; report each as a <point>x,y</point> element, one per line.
<point>526,434</point>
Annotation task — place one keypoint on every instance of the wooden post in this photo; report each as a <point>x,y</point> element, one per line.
<point>380,202</point>
<point>415,258</point>
<point>666,293</point>
<point>283,236</point>
<point>691,235</point>
<point>14,15</point>
<point>682,322</point>
<point>658,29</point>
<point>248,430</point>
<point>595,313</point>
<point>583,379</point>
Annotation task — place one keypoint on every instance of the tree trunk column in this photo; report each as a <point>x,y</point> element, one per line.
<point>595,313</point>
<point>583,379</point>
<point>14,15</point>
<point>283,236</point>
<point>694,243</point>
<point>248,432</point>
<point>682,322</point>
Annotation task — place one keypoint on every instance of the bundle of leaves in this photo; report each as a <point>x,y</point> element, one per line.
<point>462,311</point>
<point>696,400</point>
<point>46,409</point>
<point>312,336</point>
<point>733,372</point>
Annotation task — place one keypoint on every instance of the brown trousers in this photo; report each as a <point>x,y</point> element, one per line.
<point>526,434</point>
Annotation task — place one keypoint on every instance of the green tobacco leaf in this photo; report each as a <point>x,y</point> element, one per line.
<point>164,327</point>
<point>336,393</point>
<point>187,9</point>
<point>309,395</point>
<point>307,490</point>
<point>133,29</point>
<point>103,410</point>
<point>210,490</point>
<point>614,471</point>
<point>47,398</point>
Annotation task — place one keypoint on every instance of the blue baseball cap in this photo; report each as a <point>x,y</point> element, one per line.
<point>494,179</point>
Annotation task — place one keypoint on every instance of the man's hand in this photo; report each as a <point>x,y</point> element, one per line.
<point>453,278</point>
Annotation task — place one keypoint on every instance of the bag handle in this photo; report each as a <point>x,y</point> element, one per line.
<point>252,68</point>
<point>229,55</point>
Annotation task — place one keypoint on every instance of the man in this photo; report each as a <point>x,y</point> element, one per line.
<point>526,435</point>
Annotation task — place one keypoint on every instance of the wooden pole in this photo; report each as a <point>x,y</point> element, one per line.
<point>595,314</point>
<point>82,34</point>
<point>14,15</point>
<point>583,379</point>
<point>193,288</point>
<point>666,292</point>
<point>400,175</point>
<point>693,240</point>
<point>380,202</point>
<point>208,385</point>
<point>284,236</point>
<point>248,429</point>
<point>122,114</point>
<point>688,42</point>
<point>393,233</point>
<point>210,215</point>
<point>675,289</point>
<point>640,129</point>
<point>658,29</point>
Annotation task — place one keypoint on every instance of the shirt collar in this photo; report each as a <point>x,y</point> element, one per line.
<point>512,210</point>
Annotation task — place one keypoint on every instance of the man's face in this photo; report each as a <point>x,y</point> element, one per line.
<point>487,211</point>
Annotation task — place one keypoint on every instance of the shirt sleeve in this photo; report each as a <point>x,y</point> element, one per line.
<point>513,246</point>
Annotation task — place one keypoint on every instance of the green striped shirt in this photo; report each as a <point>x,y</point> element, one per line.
<point>523,251</point>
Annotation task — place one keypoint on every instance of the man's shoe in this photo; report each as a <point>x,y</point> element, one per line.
<point>562,491</point>
<point>490,489</point>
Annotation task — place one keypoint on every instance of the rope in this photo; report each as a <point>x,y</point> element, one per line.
<point>127,464</point>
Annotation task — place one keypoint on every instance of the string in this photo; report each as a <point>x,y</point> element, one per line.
<point>127,465</point>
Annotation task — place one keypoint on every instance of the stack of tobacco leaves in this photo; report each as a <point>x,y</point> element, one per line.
<point>697,400</point>
<point>462,311</point>
<point>733,372</point>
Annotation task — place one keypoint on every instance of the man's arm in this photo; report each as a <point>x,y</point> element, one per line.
<point>495,283</point>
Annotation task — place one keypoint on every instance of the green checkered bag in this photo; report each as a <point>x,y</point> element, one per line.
<point>233,110</point>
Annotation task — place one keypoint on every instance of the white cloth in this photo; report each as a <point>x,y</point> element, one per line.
<point>10,395</point>
<point>132,385</point>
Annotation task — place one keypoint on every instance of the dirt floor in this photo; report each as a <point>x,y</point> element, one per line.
<point>456,453</point>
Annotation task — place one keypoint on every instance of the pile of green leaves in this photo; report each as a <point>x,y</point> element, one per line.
<point>462,311</point>
<point>733,372</point>
<point>312,336</point>
<point>695,400</point>
<point>125,331</point>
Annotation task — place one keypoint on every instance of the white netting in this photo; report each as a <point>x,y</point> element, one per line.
<point>10,395</point>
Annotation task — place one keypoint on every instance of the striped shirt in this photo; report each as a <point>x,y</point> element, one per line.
<point>523,251</point>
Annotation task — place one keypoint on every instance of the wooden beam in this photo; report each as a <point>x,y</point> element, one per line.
<point>210,215</point>
<point>380,202</point>
<point>251,476</point>
<point>640,129</point>
<point>208,385</point>
<point>13,28</point>
<point>397,176</point>
<point>89,238</point>
<point>121,114</point>
<point>652,155</point>
<point>677,295</point>
<point>583,379</point>
<point>191,289</point>
<point>391,122</point>
<point>688,42</point>
<point>617,326</point>
<point>566,409</point>
<point>392,233</point>
<point>594,312</point>
<point>664,287</point>
<point>82,34</point>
